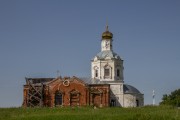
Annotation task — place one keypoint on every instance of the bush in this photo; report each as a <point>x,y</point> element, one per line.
<point>172,99</point>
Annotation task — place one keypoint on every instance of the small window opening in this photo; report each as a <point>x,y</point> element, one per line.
<point>96,73</point>
<point>106,72</point>
<point>118,72</point>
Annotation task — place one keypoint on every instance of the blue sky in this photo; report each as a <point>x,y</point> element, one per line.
<point>39,37</point>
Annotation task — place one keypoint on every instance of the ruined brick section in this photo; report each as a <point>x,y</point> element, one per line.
<point>66,92</point>
<point>99,95</point>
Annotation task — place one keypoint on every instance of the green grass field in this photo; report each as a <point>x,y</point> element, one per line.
<point>88,113</point>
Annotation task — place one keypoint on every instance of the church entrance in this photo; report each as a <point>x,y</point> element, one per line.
<point>137,103</point>
<point>96,100</point>
<point>113,103</point>
<point>96,97</point>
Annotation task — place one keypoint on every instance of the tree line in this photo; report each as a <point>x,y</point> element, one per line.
<point>171,99</point>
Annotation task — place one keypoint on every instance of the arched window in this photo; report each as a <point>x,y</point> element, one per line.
<point>107,72</point>
<point>96,73</point>
<point>74,97</point>
<point>118,72</point>
<point>58,98</point>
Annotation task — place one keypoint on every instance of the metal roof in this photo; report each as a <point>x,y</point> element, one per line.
<point>126,88</point>
<point>88,80</point>
<point>107,53</point>
<point>130,89</point>
<point>38,80</point>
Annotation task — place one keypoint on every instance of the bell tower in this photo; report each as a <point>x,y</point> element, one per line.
<point>107,65</point>
<point>107,68</point>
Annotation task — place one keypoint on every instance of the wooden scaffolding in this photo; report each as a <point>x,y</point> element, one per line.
<point>34,91</point>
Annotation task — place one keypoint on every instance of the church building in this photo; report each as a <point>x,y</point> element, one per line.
<point>105,88</point>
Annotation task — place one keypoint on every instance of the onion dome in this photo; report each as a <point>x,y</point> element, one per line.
<point>107,34</point>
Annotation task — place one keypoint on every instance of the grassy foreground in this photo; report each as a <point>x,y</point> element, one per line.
<point>88,113</point>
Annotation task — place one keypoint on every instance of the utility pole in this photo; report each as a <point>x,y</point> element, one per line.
<point>153,96</point>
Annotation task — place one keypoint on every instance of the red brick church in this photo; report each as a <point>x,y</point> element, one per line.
<point>66,91</point>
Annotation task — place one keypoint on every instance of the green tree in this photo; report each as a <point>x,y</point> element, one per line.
<point>171,99</point>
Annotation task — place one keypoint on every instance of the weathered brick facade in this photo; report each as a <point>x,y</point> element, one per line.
<point>65,92</point>
<point>99,95</point>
